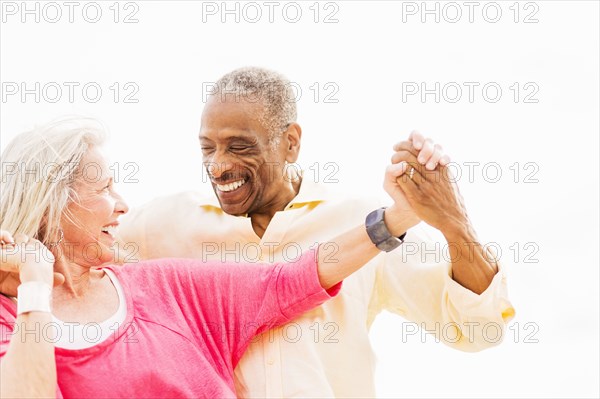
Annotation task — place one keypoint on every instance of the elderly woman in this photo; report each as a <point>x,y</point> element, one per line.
<point>164,328</point>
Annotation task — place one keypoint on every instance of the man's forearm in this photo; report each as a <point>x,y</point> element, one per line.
<point>473,267</point>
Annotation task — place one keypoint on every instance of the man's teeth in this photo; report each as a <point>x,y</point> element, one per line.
<point>231,186</point>
<point>110,230</point>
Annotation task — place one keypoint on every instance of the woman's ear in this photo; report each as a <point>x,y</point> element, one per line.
<point>293,136</point>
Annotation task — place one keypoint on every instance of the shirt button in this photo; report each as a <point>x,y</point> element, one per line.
<point>270,362</point>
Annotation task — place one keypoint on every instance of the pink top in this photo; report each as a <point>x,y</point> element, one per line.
<point>187,325</point>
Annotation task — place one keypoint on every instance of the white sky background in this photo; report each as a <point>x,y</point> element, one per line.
<point>366,61</point>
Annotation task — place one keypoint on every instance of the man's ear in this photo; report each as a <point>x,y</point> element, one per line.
<point>293,136</point>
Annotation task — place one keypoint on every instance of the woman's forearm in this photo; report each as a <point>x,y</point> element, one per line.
<point>28,370</point>
<point>354,248</point>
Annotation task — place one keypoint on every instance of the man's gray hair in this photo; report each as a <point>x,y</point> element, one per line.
<point>257,85</point>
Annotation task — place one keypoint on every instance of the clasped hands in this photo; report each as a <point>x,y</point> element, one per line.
<point>423,188</point>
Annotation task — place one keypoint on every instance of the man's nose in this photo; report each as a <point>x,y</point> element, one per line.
<point>219,165</point>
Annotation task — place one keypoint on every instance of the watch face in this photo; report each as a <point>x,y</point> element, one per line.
<point>389,245</point>
<point>376,228</point>
<point>372,218</point>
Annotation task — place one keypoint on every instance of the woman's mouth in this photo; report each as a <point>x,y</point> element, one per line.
<point>110,230</point>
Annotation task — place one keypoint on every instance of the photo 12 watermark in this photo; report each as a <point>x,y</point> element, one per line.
<point>53,172</point>
<point>252,12</point>
<point>452,12</point>
<point>451,332</point>
<point>317,172</point>
<point>449,252</point>
<point>470,92</point>
<point>318,92</point>
<point>69,92</point>
<point>69,12</point>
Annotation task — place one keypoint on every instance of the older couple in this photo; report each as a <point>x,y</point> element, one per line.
<point>182,323</point>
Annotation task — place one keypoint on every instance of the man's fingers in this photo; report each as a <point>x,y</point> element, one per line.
<point>417,139</point>
<point>413,173</point>
<point>426,151</point>
<point>444,160</point>
<point>10,259</point>
<point>403,156</point>
<point>6,238</point>
<point>406,146</point>
<point>408,185</point>
<point>21,239</point>
<point>435,158</point>
<point>59,279</point>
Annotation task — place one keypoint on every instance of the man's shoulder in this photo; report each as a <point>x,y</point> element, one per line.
<point>190,198</point>
<point>164,212</point>
<point>345,200</point>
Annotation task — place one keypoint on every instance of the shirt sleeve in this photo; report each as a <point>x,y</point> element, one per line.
<point>229,303</point>
<point>257,298</point>
<point>415,281</point>
<point>8,316</point>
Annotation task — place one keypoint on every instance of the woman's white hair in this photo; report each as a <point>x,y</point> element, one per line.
<point>39,168</point>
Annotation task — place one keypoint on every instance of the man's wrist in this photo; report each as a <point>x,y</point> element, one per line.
<point>459,232</point>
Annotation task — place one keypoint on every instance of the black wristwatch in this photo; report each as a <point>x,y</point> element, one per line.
<point>379,233</point>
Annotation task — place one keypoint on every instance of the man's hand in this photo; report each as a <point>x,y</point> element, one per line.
<point>433,195</point>
<point>402,215</point>
<point>24,259</point>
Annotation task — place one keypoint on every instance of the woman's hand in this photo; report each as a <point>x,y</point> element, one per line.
<point>24,259</point>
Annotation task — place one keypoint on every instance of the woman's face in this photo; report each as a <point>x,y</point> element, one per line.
<point>90,221</point>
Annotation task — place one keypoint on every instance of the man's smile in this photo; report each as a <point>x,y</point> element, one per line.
<point>229,187</point>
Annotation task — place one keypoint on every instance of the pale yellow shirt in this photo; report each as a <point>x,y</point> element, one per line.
<point>326,352</point>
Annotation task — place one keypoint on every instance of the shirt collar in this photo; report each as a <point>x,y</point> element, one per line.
<point>310,193</point>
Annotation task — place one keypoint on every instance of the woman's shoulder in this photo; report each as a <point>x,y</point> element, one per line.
<point>155,272</point>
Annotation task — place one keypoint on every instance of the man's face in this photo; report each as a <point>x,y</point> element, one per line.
<point>246,173</point>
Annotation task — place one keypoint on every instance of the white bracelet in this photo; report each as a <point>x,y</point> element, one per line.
<point>34,296</point>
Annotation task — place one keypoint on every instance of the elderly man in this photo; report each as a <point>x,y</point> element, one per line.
<point>263,212</point>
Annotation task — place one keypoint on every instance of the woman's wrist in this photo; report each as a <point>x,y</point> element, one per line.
<point>398,221</point>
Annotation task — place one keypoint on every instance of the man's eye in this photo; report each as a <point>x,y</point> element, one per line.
<point>239,147</point>
<point>207,150</point>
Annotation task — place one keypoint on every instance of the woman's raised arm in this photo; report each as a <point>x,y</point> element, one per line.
<point>28,369</point>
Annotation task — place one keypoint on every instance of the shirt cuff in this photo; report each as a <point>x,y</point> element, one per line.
<point>494,299</point>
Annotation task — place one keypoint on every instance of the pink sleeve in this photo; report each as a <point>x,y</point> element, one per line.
<point>260,307</point>
<point>242,300</point>
<point>8,318</point>
<point>224,305</point>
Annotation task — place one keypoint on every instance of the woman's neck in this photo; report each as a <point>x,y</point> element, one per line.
<point>78,279</point>
<point>87,294</point>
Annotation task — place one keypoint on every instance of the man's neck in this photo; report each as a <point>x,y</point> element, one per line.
<point>260,220</point>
